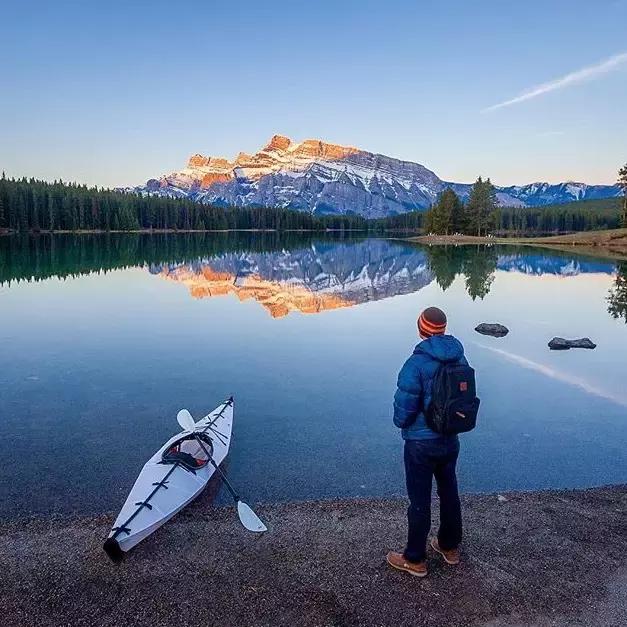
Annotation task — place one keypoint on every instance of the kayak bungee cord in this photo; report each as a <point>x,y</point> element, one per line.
<point>146,503</point>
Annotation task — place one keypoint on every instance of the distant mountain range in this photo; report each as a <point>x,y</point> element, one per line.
<point>323,178</point>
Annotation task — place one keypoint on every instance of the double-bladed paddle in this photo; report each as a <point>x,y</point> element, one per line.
<point>247,517</point>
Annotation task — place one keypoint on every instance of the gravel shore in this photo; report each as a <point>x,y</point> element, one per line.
<point>532,558</point>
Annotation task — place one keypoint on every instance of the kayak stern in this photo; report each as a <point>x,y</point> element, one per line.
<point>113,550</point>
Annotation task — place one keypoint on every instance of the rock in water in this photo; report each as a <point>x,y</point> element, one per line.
<point>495,330</point>
<point>560,344</point>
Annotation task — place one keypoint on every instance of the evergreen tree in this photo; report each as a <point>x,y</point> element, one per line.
<point>481,207</point>
<point>458,214</point>
<point>428,221</point>
<point>22,213</point>
<point>622,183</point>
<point>446,215</point>
<point>443,212</point>
<point>3,202</point>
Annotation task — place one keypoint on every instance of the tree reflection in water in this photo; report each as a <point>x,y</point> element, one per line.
<point>476,263</point>
<point>295,271</point>
<point>617,299</point>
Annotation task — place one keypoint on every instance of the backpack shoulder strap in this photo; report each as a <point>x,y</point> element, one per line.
<point>436,374</point>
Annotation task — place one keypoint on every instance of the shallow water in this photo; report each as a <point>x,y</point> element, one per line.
<point>105,338</point>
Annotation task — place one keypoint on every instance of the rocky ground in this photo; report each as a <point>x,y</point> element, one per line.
<point>543,558</point>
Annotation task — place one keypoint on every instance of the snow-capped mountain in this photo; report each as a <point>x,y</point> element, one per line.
<point>537,194</point>
<point>324,178</point>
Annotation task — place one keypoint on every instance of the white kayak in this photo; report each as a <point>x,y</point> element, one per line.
<point>173,477</point>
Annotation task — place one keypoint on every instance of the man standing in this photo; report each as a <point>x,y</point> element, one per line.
<point>428,453</point>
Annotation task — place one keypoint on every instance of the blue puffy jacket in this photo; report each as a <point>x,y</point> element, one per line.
<point>415,383</point>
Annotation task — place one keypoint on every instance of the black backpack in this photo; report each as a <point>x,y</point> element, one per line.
<point>454,403</point>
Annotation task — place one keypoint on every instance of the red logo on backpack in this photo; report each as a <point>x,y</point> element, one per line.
<point>463,386</point>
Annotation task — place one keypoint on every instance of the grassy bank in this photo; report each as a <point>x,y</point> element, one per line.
<point>539,558</point>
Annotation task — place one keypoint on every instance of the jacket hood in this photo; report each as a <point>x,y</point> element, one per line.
<point>444,348</point>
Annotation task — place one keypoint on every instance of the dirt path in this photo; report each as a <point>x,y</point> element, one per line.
<point>544,558</point>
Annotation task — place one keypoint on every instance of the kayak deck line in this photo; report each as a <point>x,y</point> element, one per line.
<point>159,484</point>
<point>209,426</point>
<point>226,404</point>
<point>112,545</point>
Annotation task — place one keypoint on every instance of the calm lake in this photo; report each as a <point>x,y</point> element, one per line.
<point>104,338</point>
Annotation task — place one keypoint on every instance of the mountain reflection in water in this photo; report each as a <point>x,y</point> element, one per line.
<point>288,272</point>
<point>309,280</point>
<point>320,277</point>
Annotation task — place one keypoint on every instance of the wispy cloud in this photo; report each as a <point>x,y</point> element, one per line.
<point>579,76</point>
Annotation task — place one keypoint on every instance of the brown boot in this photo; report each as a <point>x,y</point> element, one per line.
<point>398,561</point>
<point>450,557</point>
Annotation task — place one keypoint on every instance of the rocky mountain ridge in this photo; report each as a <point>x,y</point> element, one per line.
<point>324,178</point>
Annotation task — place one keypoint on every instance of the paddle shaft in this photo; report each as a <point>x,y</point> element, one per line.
<point>213,463</point>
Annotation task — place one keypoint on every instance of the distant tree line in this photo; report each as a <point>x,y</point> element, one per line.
<point>29,205</point>
<point>586,215</point>
<point>482,214</point>
<point>410,222</point>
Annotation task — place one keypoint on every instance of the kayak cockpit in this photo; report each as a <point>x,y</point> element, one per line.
<point>187,451</point>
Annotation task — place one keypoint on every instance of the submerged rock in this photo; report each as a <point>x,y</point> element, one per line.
<point>495,330</point>
<point>560,344</point>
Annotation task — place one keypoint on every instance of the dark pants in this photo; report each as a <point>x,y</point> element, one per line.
<point>425,459</point>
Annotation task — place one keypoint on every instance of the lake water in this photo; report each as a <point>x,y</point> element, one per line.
<point>104,338</point>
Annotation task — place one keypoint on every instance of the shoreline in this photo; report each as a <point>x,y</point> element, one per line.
<point>550,557</point>
<point>175,231</point>
<point>611,244</point>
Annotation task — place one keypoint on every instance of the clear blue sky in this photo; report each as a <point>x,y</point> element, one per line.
<point>113,93</point>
